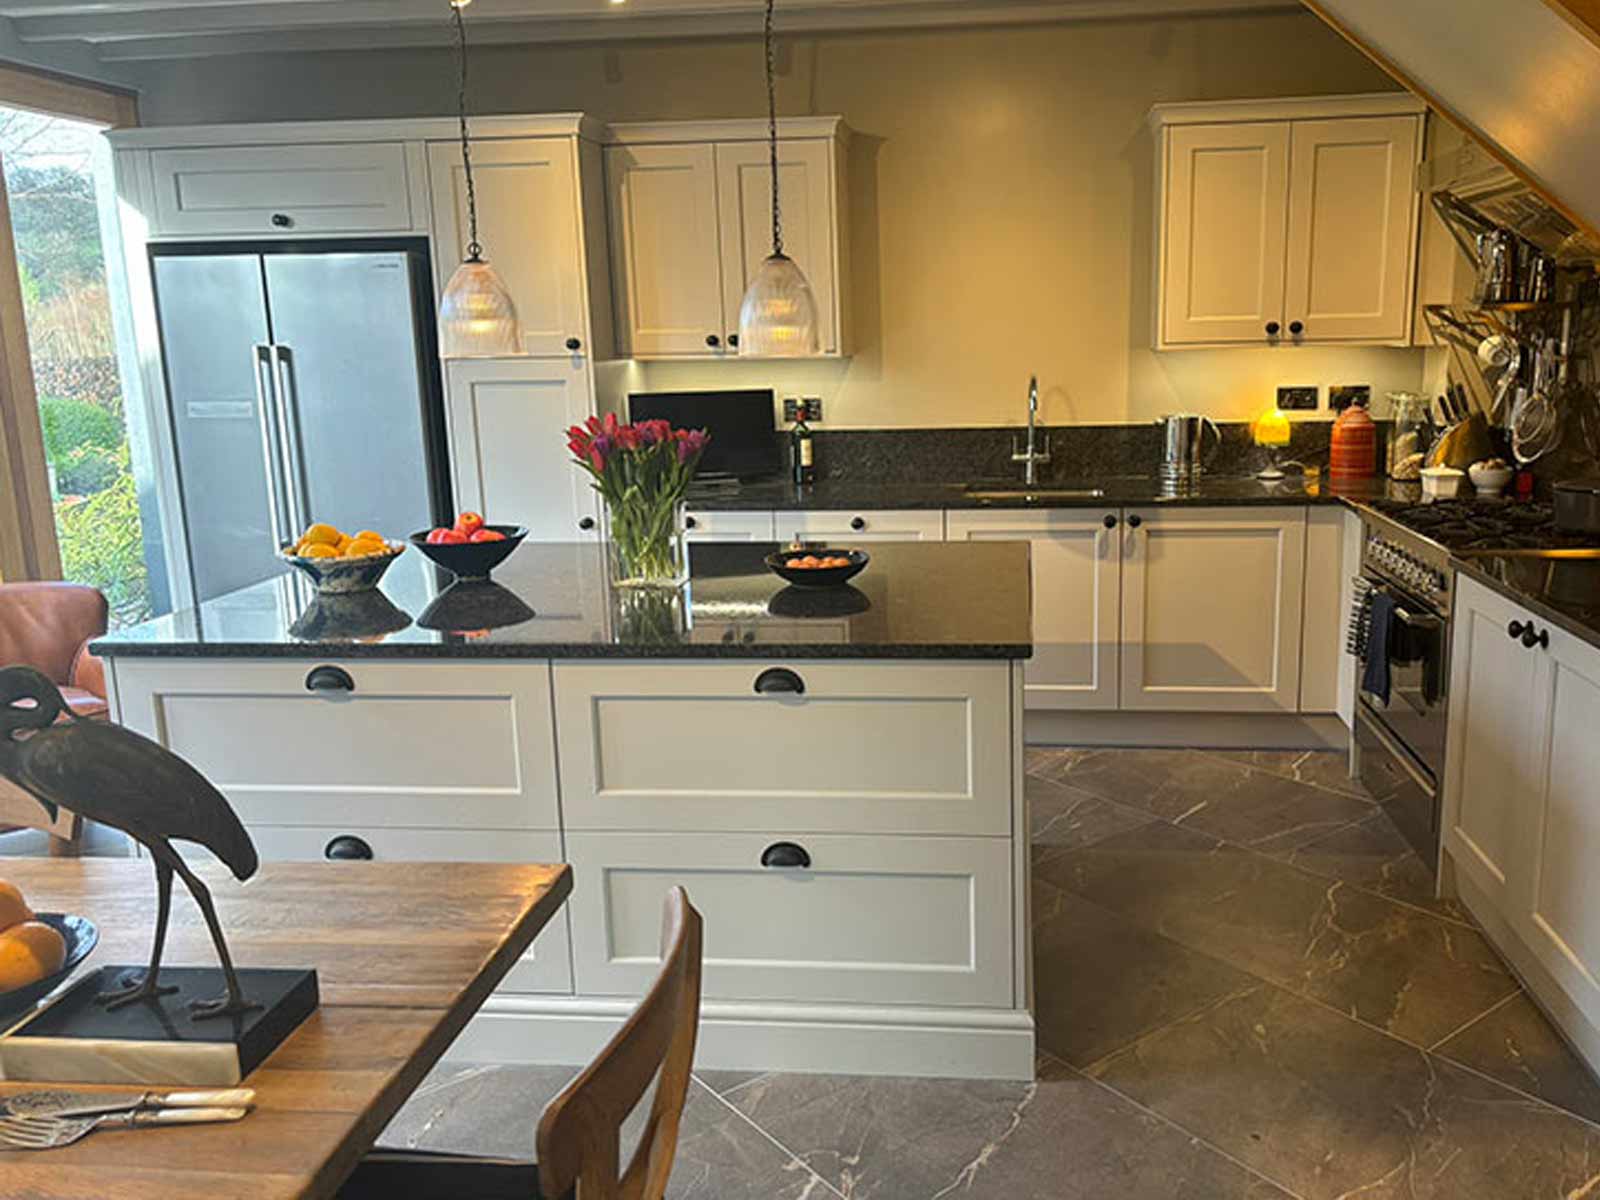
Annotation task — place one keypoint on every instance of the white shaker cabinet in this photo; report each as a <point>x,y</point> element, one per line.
<point>508,447</point>
<point>1077,564</point>
<point>718,525</point>
<point>844,526</point>
<point>535,229</point>
<point>1211,609</point>
<point>1287,221</point>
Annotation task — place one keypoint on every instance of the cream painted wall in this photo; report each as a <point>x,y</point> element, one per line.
<point>1000,200</point>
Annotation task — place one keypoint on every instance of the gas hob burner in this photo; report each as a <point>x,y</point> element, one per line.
<point>1483,526</point>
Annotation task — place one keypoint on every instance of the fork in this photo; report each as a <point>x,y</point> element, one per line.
<point>49,1133</point>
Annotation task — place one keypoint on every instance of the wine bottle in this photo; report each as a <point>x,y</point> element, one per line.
<point>802,452</point>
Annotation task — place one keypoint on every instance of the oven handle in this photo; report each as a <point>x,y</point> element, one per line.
<point>1398,752</point>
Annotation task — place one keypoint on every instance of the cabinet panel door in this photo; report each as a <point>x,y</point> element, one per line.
<point>888,525</point>
<point>665,253</point>
<point>744,197</point>
<point>1560,918</point>
<point>1322,656</point>
<point>508,444</point>
<point>1486,779</point>
<point>528,223</point>
<point>1352,228</point>
<point>1077,567</point>
<point>923,920</point>
<point>720,526</point>
<point>1211,609</point>
<point>1226,200</point>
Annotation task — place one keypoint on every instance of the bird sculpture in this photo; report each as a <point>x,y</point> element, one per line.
<point>113,775</point>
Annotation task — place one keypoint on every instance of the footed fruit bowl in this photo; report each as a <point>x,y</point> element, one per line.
<point>472,560</point>
<point>341,576</point>
<point>80,935</point>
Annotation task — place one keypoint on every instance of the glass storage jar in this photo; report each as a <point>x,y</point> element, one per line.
<point>1410,435</point>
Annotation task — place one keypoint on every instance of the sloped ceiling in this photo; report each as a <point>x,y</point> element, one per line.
<point>1521,75</point>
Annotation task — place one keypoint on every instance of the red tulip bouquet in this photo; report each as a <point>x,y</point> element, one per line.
<point>642,471</point>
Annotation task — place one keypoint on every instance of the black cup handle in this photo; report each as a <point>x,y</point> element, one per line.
<point>785,854</point>
<point>329,679</point>
<point>347,847</point>
<point>777,680</point>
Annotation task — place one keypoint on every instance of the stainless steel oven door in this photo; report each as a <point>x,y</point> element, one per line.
<point>1400,784</point>
<point>1418,651</point>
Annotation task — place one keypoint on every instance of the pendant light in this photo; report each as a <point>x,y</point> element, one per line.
<point>779,315</point>
<point>476,315</point>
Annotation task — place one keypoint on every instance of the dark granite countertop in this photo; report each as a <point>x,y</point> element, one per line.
<point>1564,591</point>
<point>1117,490</point>
<point>914,600</point>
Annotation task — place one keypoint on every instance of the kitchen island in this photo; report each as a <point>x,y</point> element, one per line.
<point>835,775</point>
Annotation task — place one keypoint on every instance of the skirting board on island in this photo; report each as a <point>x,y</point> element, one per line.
<point>860,1040</point>
<point>1217,731</point>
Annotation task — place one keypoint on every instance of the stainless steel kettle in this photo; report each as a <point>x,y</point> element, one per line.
<point>1183,457</point>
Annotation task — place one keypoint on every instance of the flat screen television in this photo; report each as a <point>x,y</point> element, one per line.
<point>744,439</point>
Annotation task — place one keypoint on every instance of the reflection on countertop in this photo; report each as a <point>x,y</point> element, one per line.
<point>915,600</point>
<point>1565,591</point>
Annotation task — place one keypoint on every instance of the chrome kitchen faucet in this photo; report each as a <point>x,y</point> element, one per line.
<point>1031,457</point>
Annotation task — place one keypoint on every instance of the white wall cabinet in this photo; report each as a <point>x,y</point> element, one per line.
<point>1077,565</point>
<point>691,220</point>
<point>1287,221</point>
<point>508,445</point>
<point>1522,814</point>
<point>1211,609</point>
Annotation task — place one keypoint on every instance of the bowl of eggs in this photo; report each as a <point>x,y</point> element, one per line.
<point>813,566</point>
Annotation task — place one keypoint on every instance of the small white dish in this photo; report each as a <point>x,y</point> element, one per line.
<point>1490,481</point>
<point>1442,483</point>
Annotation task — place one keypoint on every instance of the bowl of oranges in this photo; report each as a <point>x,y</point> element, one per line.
<point>37,950</point>
<point>817,566</point>
<point>338,562</point>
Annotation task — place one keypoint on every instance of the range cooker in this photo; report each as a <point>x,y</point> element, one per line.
<point>1406,552</point>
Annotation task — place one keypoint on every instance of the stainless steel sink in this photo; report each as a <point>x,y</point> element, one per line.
<point>1035,495</point>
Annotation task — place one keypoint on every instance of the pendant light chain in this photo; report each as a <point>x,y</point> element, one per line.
<point>474,250</point>
<point>772,130</point>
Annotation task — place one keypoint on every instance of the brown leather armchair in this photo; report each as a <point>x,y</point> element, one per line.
<point>49,626</point>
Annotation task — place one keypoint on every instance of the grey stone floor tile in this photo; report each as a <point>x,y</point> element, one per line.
<point>1398,968</point>
<point>1060,817</point>
<point>1331,1109</point>
<point>1325,768</point>
<point>1079,949</point>
<point>1517,1045</point>
<point>1371,854</point>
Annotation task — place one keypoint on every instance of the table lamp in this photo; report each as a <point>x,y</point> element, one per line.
<point>1271,429</point>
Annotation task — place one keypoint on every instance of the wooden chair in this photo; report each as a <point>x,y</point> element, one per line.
<point>579,1135</point>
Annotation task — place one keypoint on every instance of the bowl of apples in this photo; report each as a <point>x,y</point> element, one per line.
<point>470,548</point>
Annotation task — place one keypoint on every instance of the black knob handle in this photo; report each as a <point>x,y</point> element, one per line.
<point>347,847</point>
<point>1516,627</point>
<point>858,523</point>
<point>733,339</point>
<point>689,522</point>
<point>329,679</point>
<point>574,344</point>
<point>282,220</point>
<point>779,680</point>
<point>1296,328</point>
<point>1272,329</point>
<point>785,854</point>
<point>713,340</point>
<point>1135,521</point>
<point>1531,638</point>
<point>1109,521</point>
<point>586,523</point>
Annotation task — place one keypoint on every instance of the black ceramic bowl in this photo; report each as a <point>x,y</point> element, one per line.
<point>472,560</point>
<point>80,935</point>
<point>817,577</point>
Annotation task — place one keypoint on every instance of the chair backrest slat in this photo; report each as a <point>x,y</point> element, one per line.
<point>579,1133</point>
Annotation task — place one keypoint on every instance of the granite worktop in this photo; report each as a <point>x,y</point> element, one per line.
<point>1564,591</point>
<point>914,600</point>
<point>1114,491</point>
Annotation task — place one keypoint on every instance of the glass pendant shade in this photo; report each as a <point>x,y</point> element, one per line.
<point>476,316</point>
<point>778,318</point>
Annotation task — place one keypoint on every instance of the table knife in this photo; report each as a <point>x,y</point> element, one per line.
<point>85,1104</point>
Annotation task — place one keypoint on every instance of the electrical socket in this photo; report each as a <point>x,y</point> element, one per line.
<point>1341,397</point>
<point>796,407</point>
<point>1297,398</point>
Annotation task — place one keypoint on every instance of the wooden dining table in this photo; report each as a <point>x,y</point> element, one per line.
<point>405,953</point>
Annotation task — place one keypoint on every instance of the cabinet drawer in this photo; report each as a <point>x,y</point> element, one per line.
<point>413,744</point>
<point>720,526</point>
<point>886,525</point>
<point>872,920</point>
<point>546,967</point>
<point>893,748</point>
<point>281,189</point>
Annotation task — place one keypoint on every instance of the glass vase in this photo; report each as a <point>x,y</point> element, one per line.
<point>645,545</point>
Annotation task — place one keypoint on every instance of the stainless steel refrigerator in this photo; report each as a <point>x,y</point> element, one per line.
<point>304,386</point>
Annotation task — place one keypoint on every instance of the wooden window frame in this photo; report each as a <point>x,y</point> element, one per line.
<point>28,545</point>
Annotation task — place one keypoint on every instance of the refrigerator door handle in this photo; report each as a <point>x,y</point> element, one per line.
<point>294,461</point>
<point>259,354</point>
